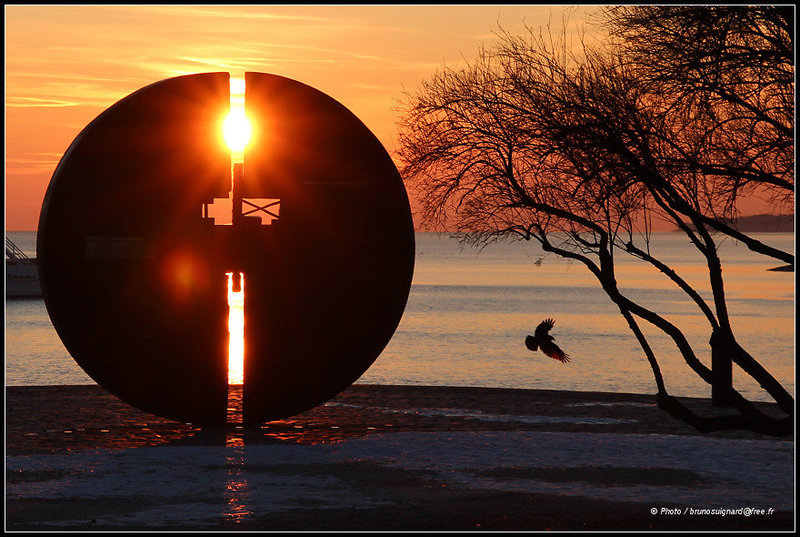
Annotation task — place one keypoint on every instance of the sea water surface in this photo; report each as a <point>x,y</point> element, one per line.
<point>470,309</point>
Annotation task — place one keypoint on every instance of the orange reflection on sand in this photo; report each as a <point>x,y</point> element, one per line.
<point>235,330</point>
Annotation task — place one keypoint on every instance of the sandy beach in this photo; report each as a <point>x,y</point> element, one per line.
<point>391,458</point>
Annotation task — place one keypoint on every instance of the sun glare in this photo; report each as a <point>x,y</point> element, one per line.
<point>236,331</point>
<point>236,129</point>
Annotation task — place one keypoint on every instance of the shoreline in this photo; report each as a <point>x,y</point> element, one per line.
<point>85,409</point>
<point>389,458</point>
<point>96,419</point>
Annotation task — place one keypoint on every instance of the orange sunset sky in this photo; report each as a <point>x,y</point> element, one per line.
<point>66,64</point>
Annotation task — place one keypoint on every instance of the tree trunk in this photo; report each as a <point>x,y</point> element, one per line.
<point>721,370</point>
<point>757,422</point>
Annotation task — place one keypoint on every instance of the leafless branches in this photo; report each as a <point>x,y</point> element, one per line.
<point>581,150</point>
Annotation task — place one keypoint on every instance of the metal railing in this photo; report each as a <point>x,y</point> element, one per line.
<point>14,253</point>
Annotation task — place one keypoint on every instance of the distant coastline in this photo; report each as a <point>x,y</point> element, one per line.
<point>763,223</point>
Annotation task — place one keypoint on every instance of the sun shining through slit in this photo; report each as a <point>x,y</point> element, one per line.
<point>236,128</point>
<point>235,330</point>
<point>236,133</point>
<point>235,351</point>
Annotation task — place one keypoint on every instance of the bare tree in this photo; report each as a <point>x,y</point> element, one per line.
<point>577,153</point>
<point>728,73</point>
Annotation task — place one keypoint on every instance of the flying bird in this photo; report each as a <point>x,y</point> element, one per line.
<point>543,340</point>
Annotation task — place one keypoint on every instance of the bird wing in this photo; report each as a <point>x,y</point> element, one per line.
<point>544,327</point>
<point>553,351</point>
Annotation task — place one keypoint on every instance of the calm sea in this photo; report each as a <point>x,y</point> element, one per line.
<point>469,312</point>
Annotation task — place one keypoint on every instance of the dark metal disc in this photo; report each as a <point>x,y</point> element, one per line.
<point>129,282</point>
<point>133,273</point>
<point>327,285</point>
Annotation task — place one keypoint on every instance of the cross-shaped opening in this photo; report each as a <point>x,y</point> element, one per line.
<point>263,210</point>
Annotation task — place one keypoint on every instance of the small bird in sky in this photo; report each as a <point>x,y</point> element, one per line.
<point>543,340</point>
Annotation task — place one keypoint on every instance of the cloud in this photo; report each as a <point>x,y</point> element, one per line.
<point>37,163</point>
<point>22,102</point>
<point>245,13</point>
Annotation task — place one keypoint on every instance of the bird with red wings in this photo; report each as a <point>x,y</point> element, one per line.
<point>541,339</point>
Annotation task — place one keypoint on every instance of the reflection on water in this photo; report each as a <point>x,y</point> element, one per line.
<point>234,415</point>
<point>237,490</point>
<point>469,311</point>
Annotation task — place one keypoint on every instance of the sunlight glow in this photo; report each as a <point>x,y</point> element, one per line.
<point>237,129</point>
<point>236,331</point>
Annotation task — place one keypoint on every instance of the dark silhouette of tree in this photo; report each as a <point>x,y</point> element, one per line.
<point>728,72</point>
<point>582,152</point>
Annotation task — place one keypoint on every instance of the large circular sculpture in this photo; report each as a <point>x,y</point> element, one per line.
<point>133,270</point>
